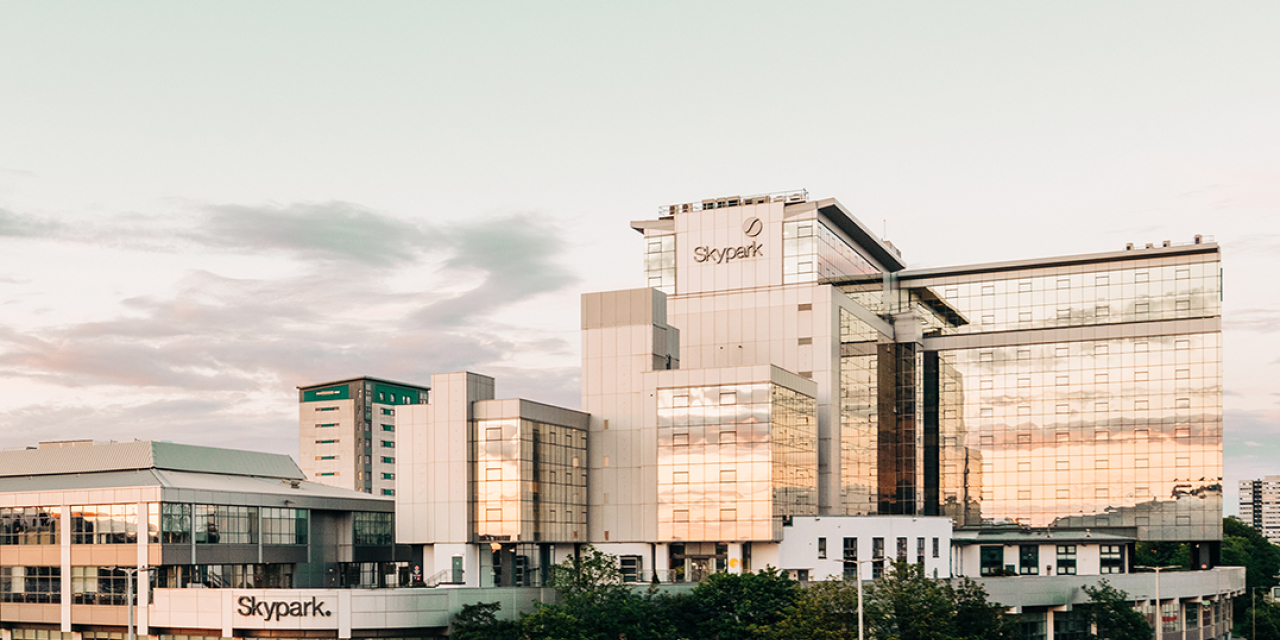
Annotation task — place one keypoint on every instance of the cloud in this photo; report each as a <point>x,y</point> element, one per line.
<point>1258,320</point>
<point>1251,443</point>
<point>513,258</point>
<point>213,333</point>
<point>13,225</point>
<point>323,231</point>
<point>328,231</point>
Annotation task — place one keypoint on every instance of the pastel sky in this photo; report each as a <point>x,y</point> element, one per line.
<point>205,205</point>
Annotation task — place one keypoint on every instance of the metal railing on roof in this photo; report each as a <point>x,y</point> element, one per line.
<point>792,196</point>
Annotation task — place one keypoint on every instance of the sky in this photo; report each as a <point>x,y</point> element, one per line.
<point>206,205</point>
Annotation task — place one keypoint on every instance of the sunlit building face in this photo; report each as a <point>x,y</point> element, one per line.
<point>1074,392</point>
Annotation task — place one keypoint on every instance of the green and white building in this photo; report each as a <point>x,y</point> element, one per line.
<point>347,431</point>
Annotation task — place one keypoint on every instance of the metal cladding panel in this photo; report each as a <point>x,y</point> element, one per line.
<point>86,459</point>
<point>181,457</point>
<point>80,482</point>
<point>123,456</point>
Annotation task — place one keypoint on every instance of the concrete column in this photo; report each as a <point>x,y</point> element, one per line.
<point>64,548</point>
<point>142,586</point>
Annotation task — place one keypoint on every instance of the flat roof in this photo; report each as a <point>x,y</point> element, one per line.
<point>128,456</point>
<point>962,537</point>
<point>1040,263</point>
<point>359,378</point>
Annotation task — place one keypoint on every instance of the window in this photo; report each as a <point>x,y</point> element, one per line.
<point>388,476</point>
<point>326,408</point>
<point>325,426</point>
<point>98,585</point>
<point>225,524</point>
<point>389,444</point>
<point>326,442</point>
<point>104,524</point>
<point>175,523</point>
<point>822,548</point>
<point>935,548</point>
<point>388,492</point>
<point>1029,559</point>
<point>388,427</point>
<point>31,584</point>
<point>1112,558</point>
<point>877,554</point>
<point>284,526</point>
<point>1066,560</point>
<point>326,457</point>
<point>29,525</point>
<point>632,568</point>
<point>371,528</point>
<point>389,459</point>
<point>850,557</point>
<point>388,412</point>
<point>902,549</point>
<point>919,549</point>
<point>992,560</point>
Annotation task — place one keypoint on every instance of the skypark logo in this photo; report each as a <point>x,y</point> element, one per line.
<point>727,254</point>
<point>250,606</point>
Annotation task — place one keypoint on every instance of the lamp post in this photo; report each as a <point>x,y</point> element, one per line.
<point>1159,610</point>
<point>858,571</point>
<point>128,593</point>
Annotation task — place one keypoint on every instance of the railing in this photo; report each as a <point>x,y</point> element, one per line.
<point>794,195</point>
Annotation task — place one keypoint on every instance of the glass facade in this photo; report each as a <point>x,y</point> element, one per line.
<point>811,250</point>
<point>99,585</point>
<point>371,528</point>
<point>733,460</point>
<point>284,526</point>
<point>104,524</point>
<point>31,584</point>
<point>225,524</point>
<point>1091,398</point>
<point>29,525</point>
<point>1123,432</point>
<point>660,262</point>
<point>529,482</point>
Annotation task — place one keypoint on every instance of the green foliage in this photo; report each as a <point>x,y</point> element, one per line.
<point>480,622</point>
<point>824,611</point>
<point>1164,554</point>
<point>596,605</point>
<point>1244,546</point>
<point>1114,618</point>
<point>976,617</point>
<point>1261,622</point>
<point>905,605</point>
<point>737,606</point>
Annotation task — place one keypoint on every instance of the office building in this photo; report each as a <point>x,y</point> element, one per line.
<point>77,521</point>
<point>347,432</point>
<point>1260,506</point>
<point>784,363</point>
<point>1072,392</point>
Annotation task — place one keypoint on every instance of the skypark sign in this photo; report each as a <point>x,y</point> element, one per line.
<point>273,610</point>
<point>727,254</point>
<point>752,228</point>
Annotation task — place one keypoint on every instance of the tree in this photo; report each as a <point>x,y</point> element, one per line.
<point>1111,615</point>
<point>480,622</point>
<point>824,611</point>
<point>596,604</point>
<point>735,606</point>
<point>976,617</point>
<point>906,605</point>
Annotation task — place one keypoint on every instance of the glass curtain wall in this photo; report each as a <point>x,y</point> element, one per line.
<point>733,460</point>
<point>530,481</point>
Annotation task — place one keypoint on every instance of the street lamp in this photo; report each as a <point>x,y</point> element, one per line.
<point>858,571</point>
<point>1159,610</point>
<point>128,594</point>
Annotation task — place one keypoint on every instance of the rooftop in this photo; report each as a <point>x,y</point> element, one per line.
<point>130,456</point>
